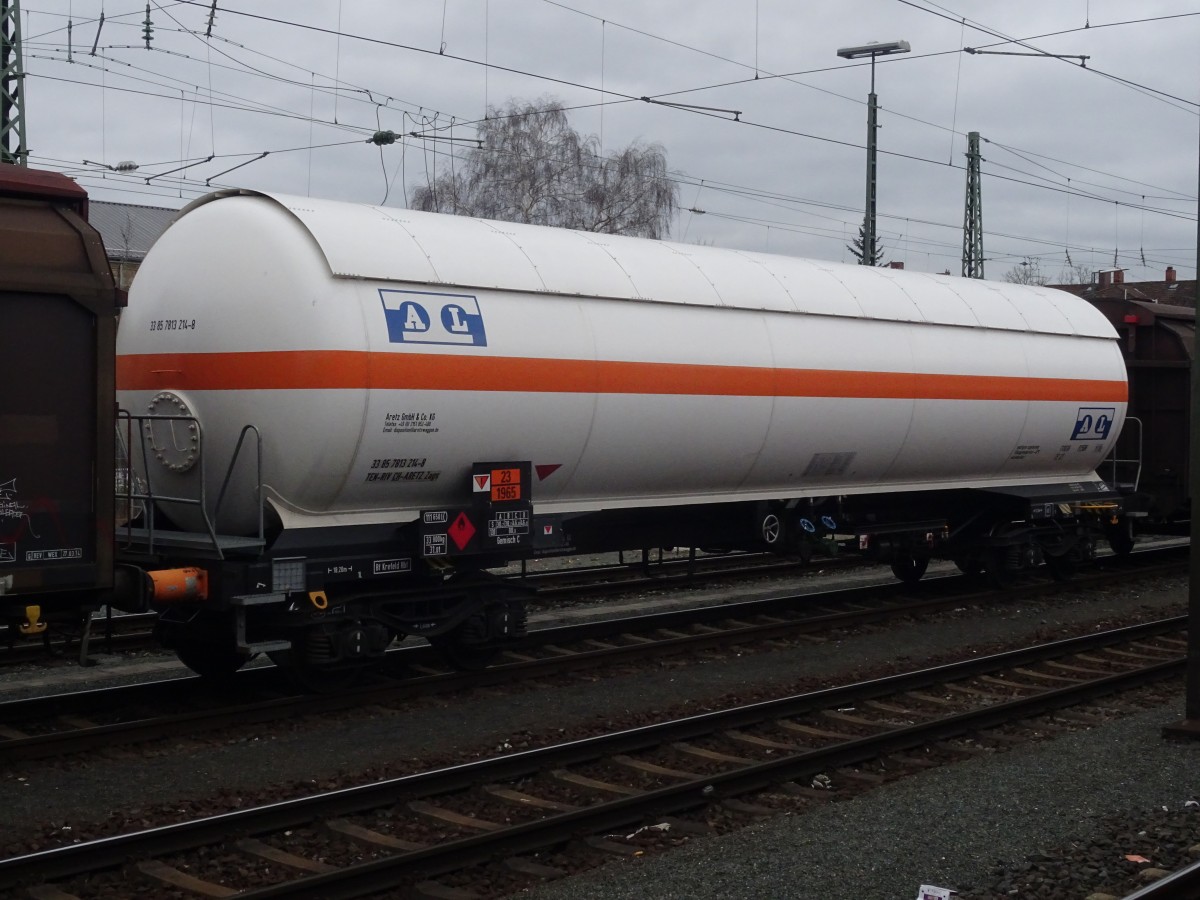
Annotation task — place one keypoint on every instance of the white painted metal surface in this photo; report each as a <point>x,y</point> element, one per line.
<point>383,351</point>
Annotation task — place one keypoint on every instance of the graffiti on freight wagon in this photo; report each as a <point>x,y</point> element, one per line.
<point>14,520</point>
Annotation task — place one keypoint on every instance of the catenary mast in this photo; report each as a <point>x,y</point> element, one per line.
<point>972,255</point>
<point>12,86</point>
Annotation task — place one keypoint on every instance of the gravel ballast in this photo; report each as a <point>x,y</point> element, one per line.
<point>952,827</point>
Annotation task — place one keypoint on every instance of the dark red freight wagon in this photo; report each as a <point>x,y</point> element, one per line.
<point>1158,343</point>
<point>58,314</point>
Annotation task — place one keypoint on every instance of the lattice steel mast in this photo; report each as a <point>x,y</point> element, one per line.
<point>12,86</point>
<point>972,254</point>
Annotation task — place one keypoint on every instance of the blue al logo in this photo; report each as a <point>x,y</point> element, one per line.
<point>421,317</point>
<point>1093,423</point>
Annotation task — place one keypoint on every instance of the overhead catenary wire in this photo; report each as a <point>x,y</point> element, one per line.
<point>242,65</point>
<point>790,203</point>
<point>236,64</point>
<point>431,153</point>
<point>625,98</point>
<point>957,89</point>
<point>437,122</point>
<point>198,188</point>
<point>1025,42</point>
<point>685,180</point>
<point>1043,181</point>
<point>337,65</point>
<point>656,37</point>
<point>607,92</point>
<point>1181,195</point>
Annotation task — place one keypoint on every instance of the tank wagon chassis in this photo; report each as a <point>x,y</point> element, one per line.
<point>408,372</point>
<point>898,415</point>
<point>326,602</point>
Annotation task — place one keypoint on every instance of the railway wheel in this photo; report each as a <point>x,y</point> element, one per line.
<point>1061,566</point>
<point>910,567</point>
<point>1011,552</point>
<point>216,660</point>
<point>970,566</point>
<point>1120,538</point>
<point>999,568</point>
<point>465,646</point>
<point>315,679</point>
<point>305,663</point>
<point>800,539</point>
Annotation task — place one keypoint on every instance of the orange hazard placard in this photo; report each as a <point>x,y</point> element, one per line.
<point>505,492</point>
<point>506,485</point>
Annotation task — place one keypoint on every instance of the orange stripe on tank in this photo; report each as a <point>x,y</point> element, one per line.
<point>352,369</point>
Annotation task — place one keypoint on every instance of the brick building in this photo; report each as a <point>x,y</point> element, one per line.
<point>1111,285</point>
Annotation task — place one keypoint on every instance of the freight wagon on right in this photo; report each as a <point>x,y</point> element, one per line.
<point>1158,345</point>
<point>1150,463</point>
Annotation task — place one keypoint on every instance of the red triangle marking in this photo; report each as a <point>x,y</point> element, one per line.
<point>482,480</point>
<point>545,471</point>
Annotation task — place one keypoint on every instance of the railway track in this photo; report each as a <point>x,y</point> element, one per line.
<point>110,634</point>
<point>134,632</point>
<point>500,811</point>
<point>93,720</point>
<point>1183,884</point>
<point>653,570</point>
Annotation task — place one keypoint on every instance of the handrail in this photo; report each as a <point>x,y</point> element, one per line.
<point>144,472</point>
<point>258,480</point>
<point>125,477</point>
<point>131,477</point>
<point>1114,461</point>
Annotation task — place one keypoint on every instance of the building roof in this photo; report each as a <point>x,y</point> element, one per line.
<point>1170,293</point>
<point>129,230</point>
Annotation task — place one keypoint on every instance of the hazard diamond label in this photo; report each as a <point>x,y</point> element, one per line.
<point>461,531</point>
<point>481,483</point>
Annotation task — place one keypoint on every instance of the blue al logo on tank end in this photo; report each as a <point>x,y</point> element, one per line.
<point>424,317</point>
<point>1093,423</point>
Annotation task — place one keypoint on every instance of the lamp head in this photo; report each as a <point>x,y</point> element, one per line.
<point>873,49</point>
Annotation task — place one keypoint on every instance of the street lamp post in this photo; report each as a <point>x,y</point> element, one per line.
<point>872,50</point>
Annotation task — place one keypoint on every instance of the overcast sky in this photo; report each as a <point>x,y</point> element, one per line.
<point>1079,163</point>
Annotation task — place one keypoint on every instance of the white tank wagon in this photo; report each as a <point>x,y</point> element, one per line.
<point>387,357</point>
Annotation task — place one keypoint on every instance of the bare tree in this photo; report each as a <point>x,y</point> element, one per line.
<point>1029,271</point>
<point>1075,274</point>
<point>532,166</point>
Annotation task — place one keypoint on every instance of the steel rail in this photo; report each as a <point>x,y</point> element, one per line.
<point>81,740</point>
<point>599,629</point>
<point>715,567</point>
<point>670,572</point>
<point>547,586</point>
<point>61,644</point>
<point>1182,884</point>
<point>367,878</point>
<point>64,862</point>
